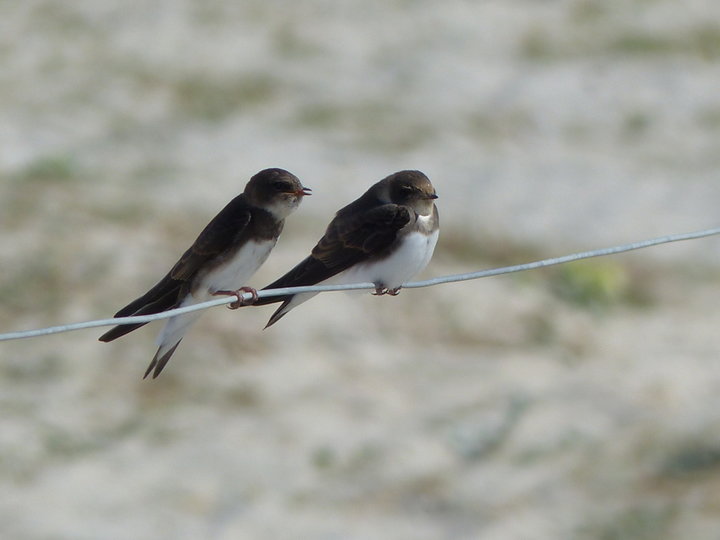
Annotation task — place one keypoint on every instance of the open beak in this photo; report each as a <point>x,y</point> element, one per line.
<point>303,192</point>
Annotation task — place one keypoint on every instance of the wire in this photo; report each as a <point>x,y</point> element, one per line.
<point>361,286</point>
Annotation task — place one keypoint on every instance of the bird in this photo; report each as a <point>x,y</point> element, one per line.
<point>385,237</point>
<point>228,251</point>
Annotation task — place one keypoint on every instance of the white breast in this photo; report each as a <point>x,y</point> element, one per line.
<point>407,260</point>
<point>236,271</point>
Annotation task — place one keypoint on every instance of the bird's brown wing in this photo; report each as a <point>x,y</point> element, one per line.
<point>221,233</point>
<point>348,240</point>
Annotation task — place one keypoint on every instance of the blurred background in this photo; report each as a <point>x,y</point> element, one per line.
<point>579,402</point>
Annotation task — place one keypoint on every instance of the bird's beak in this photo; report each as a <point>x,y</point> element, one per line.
<point>432,196</point>
<point>303,192</point>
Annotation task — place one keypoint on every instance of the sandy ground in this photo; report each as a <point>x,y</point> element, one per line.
<point>580,402</point>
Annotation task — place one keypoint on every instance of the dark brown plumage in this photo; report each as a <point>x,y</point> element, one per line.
<point>253,219</point>
<point>366,231</point>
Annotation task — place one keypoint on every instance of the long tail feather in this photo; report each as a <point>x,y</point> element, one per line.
<point>158,362</point>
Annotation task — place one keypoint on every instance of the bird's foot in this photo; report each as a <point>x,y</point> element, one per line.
<point>241,301</point>
<point>380,290</point>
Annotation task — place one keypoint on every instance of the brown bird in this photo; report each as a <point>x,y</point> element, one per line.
<point>385,237</point>
<point>223,257</point>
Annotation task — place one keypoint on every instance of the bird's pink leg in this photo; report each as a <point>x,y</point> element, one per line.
<point>240,302</point>
<point>381,290</point>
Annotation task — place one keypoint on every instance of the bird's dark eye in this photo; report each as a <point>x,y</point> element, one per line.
<point>407,189</point>
<point>281,186</point>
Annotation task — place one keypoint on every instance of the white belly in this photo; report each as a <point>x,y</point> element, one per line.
<point>409,258</point>
<point>235,272</point>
